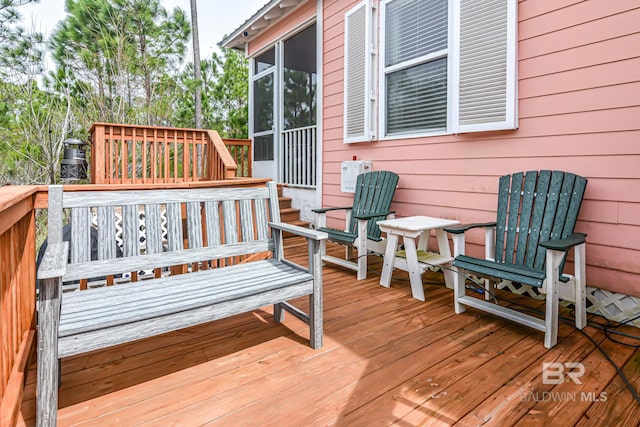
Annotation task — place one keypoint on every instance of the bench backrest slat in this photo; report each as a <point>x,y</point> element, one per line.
<point>212,212</point>
<point>246,220</point>
<point>230,221</point>
<point>80,235</point>
<point>194,225</point>
<point>174,227</point>
<point>73,199</point>
<point>261,219</point>
<point>217,223</point>
<point>153,228</point>
<point>106,232</point>
<point>130,231</point>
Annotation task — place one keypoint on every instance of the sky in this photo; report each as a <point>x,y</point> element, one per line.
<point>216,18</point>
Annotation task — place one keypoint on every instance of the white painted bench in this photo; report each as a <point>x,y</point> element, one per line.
<point>218,223</point>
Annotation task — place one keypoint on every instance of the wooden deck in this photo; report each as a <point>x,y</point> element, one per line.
<point>387,359</point>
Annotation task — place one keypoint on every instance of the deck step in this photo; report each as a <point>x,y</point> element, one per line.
<point>285,202</point>
<point>288,214</point>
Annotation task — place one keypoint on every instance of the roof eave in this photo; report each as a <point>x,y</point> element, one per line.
<point>270,13</point>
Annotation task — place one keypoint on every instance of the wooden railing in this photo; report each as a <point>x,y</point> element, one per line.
<point>18,205</point>
<point>240,150</point>
<point>17,294</point>
<point>131,154</point>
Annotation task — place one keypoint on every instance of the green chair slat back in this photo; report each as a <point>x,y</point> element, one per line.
<point>534,207</point>
<point>374,193</point>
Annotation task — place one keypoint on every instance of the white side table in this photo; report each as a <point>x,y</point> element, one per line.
<point>410,228</point>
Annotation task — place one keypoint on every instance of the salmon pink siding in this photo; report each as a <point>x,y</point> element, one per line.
<point>579,111</point>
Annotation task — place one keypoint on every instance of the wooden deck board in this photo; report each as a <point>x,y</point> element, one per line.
<point>387,358</point>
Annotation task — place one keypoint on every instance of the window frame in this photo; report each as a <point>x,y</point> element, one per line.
<point>254,77</point>
<point>386,70</point>
<point>453,77</point>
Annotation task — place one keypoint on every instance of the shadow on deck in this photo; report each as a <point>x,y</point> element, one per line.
<point>387,359</point>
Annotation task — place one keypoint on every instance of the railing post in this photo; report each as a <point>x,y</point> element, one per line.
<point>97,154</point>
<point>226,164</point>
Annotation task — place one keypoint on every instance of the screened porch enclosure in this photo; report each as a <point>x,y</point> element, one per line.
<point>284,109</point>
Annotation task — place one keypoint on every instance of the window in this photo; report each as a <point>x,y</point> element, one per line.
<point>415,66</point>
<point>446,66</point>
<point>262,106</point>
<point>265,61</point>
<point>299,80</point>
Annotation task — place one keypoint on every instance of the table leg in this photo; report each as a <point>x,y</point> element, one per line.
<point>414,269</point>
<point>443,247</point>
<point>389,259</point>
<point>423,243</point>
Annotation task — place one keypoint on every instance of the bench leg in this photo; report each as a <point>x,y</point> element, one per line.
<point>48,362</point>
<point>315,299</point>
<point>315,321</point>
<point>278,313</point>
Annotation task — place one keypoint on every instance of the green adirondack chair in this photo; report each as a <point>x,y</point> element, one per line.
<point>528,244</point>
<point>371,203</point>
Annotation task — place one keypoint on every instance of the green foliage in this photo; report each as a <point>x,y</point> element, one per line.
<point>232,91</point>
<point>17,51</point>
<point>119,61</point>
<point>119,52</point>
<point>225,92</point>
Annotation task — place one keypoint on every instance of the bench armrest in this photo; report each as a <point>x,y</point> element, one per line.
<point>54,261</point>
<point>373,215</point>
<point>565,244</point>
<point>462,228</point>
<point>323,210</point>
<point>300,231</point>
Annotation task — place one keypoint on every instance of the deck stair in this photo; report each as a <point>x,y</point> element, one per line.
<point>288,214</point>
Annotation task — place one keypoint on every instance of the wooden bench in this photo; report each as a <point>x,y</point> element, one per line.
<point>205,228</point>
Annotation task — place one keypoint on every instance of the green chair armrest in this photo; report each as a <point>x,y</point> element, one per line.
<point>373,215</point>
<point>323,210</point>
<point>458,229</point>
<point>565,244</point>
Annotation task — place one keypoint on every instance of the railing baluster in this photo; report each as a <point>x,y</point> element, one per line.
<point>144,156</point>
<point>304,156</point>
<point>110,148</point>
<point>154,156</point>
<point>194,157</point>
<point>165,145</point>
<point>175,157</point>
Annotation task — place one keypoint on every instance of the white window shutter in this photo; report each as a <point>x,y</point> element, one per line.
<point>487,65</point>
<point>359,52</point>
